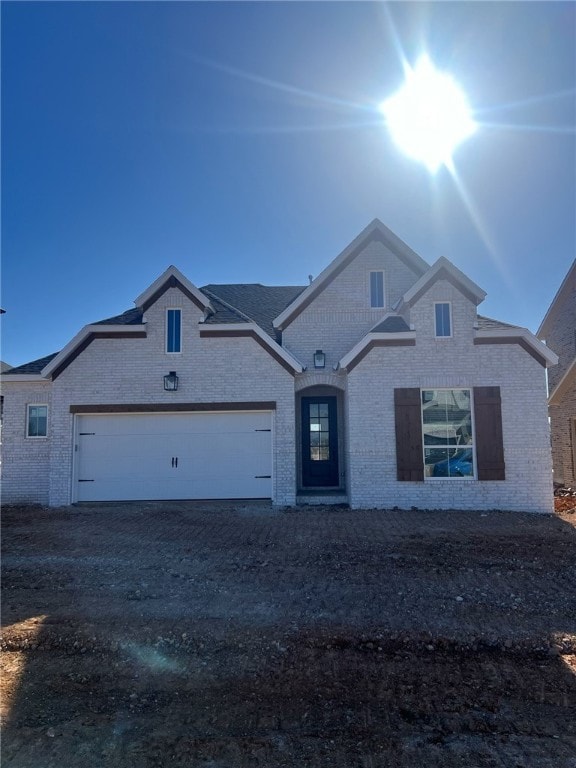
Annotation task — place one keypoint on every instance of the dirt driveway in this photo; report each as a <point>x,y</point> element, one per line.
<point>228,635</point>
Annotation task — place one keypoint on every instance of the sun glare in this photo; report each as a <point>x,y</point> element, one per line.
<point>429,116</point>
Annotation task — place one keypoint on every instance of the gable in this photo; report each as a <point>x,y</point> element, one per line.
<point>444,270</point>
<point>173,278</point>
<point>376,232</point>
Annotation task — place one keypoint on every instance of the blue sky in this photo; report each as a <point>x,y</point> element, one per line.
<point>242,142</point>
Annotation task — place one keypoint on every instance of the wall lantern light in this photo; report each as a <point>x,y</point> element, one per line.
<point>171,381</point>
<point>319,359</point>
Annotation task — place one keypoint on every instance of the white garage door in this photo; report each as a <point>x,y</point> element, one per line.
<point>124,457</point>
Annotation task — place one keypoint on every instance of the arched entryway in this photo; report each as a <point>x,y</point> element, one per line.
<point>320,439</point>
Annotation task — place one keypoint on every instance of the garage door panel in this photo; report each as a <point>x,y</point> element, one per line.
<point>174,456</point>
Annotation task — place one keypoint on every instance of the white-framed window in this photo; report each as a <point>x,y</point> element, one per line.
<point>447,434</point>
<point>173,331</point>
<point>37,420</point>
<point>376,287</point>
<point>442,319</point>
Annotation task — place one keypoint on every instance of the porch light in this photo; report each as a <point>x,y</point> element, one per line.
<point>171,381</point>
<point>319,359</point>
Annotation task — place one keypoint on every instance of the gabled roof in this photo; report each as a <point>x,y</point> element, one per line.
<point>251,302</point>
<point>443,269</point>
<point>567,287</point>
<point>374,231</point>
<point>172,278</point>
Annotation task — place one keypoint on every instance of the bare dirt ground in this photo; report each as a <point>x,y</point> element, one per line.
<point>232,635</point>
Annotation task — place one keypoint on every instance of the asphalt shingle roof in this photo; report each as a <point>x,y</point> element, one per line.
<point>130,317</point>
<point>35,366</point>
<point>392,324</point>
<point>256,302</point>
<point>488,324</point>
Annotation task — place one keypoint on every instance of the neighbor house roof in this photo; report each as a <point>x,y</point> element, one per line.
<point>567,287</point>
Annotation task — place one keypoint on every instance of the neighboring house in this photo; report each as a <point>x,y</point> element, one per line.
<point>558,329</point>
<point>377,385</point>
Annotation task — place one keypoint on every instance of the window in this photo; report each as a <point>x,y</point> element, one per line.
<point>376,289</point>
<point>434,430</point>
<point>447,433</point>
<point>443,319</point>
<point>37,421</point>
<point>319,432</point>
<point>173,331</point>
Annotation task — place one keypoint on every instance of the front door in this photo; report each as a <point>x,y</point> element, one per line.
<point>319,443</point>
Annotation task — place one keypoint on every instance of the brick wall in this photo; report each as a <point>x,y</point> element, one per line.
<point>561,338</point>
<point>455,362</point>
<point>341,315</point>
<point>562,417</point>
<point>561,332</point>
<point>25,461</point>
<point>131,371</point>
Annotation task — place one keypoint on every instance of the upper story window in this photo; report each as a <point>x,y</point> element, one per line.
<point>173,330</point>
<point>443,319</point>
<point>37,421</point>
<point>376,289</point>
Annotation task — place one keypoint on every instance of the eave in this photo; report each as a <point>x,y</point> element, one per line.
<point>521,336</point>
<point>6,378</point>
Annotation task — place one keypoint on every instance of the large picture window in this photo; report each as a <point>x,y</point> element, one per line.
<point>448,440</point>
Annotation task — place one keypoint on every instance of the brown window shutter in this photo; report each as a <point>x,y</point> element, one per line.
<point>488,433</point>
<point>408,417</point>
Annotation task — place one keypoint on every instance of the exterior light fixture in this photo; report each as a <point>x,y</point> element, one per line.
<point>171,381</point>
<point>319,359</point>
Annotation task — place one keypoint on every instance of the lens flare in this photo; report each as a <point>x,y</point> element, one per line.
<point>429,116</point>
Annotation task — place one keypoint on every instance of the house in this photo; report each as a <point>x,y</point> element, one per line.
<point>377,385</point>
<point>558,329</point>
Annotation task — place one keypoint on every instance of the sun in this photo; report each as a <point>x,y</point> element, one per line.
<point>429,116</point>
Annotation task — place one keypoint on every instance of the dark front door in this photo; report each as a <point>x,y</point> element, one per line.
<point>319,442</point>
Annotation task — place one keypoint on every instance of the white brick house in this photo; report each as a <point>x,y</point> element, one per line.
<point>377,385</point>
<point>558,329</point>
